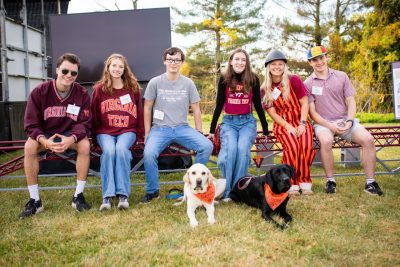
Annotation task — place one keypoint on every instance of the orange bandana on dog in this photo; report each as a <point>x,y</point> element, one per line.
<point>274,200</point>
<point>207,196</point>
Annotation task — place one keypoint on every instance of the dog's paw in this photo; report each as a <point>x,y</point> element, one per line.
<point>194,224</point>
<point>284,226</point>
<point>178,203</point>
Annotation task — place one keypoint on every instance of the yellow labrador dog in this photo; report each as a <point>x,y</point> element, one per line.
<point>201,189</point>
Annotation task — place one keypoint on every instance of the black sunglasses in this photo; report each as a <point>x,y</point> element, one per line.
<point>65,72</point>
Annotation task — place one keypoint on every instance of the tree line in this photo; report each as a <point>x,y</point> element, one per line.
<point>362,37</point>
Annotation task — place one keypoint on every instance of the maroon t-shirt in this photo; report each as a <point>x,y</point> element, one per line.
<point>47,113</point>
<point>112,117</point>
<point>238,102</point>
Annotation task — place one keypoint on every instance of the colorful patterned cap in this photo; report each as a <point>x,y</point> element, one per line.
<point>316,51</point>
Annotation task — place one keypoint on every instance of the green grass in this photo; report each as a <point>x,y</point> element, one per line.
<point>367,119</point>
<point>349,228</point>
<point>363,116</point>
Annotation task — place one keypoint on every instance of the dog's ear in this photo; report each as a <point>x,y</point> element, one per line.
<point>186,177</point>
<point>211,177</point>
<point>269,179</point>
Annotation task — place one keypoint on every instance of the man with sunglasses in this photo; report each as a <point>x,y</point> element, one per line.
<point>167,100</point>
<point>57,118</point>
<point>333,109</point>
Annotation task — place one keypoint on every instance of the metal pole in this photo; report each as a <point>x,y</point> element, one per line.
<point>44,46</point>
<point>58,7</point>
<point>25,36</point>
<point>3,54</point>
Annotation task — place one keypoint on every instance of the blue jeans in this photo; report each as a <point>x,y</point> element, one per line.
<point>116,163</point>
<point>237,135</point>
<point>160,137</point>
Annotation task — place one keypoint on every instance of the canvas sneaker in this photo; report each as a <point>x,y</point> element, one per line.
<point>79,203</point>
<point>226,199</point>
<point>106,205</point>
<point>31,207</point>
<point>373,189</point>
<point>330,187</point>
<point>123,203</point>
<point>149,197</point>
<point>294,190</point>
<point>307,192</point>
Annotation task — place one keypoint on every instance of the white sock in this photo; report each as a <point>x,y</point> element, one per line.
<point>80,185</point>
<point>34,191</point>
<point>370,180</point>
<point>331,179</point>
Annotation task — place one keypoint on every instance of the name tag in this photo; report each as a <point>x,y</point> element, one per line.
<point>72,109</point>
<point>276,93</point>
<point>316,90</point>
<point>158,114</point>
<point>125,99</point>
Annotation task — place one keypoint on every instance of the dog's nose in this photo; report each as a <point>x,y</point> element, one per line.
<point>199,184</point>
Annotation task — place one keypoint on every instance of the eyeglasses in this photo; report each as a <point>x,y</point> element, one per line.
<point>173,61</point>
<point>65,72</point>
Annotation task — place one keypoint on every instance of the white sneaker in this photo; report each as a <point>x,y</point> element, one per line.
<point>227,199</point>
<point>294,190</point>
<point>106,205</point>
<point>307,192</point>
<point>123,203</point>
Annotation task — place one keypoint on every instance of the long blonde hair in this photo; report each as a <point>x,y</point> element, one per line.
<point>128,78</point>
<point>267,85</point>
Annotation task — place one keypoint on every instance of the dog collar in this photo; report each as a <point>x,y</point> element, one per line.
<point>274,200</point>
<point>207,196</point>
<point>244,182</point>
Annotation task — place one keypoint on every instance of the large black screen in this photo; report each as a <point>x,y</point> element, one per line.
<point>140,35</point>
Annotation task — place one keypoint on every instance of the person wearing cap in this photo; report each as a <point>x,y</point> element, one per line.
<point>333,109</point>
<point>238,90</point>
<point>285,100</point>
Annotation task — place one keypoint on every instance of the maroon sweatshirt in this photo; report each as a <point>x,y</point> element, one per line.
<point>47,113</point>
<point>112,117</point>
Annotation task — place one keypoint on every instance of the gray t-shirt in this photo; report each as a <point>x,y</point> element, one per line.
<point>171,99</point>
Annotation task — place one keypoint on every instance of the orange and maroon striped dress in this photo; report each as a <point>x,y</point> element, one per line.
<point>297,151</point>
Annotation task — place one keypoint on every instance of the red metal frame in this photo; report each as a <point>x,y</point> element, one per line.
<point>383,137</point>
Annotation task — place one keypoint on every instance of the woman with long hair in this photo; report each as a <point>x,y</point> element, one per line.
<point>238,90</point>
<point>285,100</point>
<point>117,123</point>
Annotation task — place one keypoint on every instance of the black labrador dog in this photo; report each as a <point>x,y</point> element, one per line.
<point>267,192</point>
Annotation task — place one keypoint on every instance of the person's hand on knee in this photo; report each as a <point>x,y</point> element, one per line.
<point>300,130</point>
<point>60,143</point>
<point>290,129</point>
<point>342,126</point>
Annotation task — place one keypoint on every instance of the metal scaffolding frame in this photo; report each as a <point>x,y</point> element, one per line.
<point>3,54</point>
<point>384,137</point>
<point>4,47</point>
